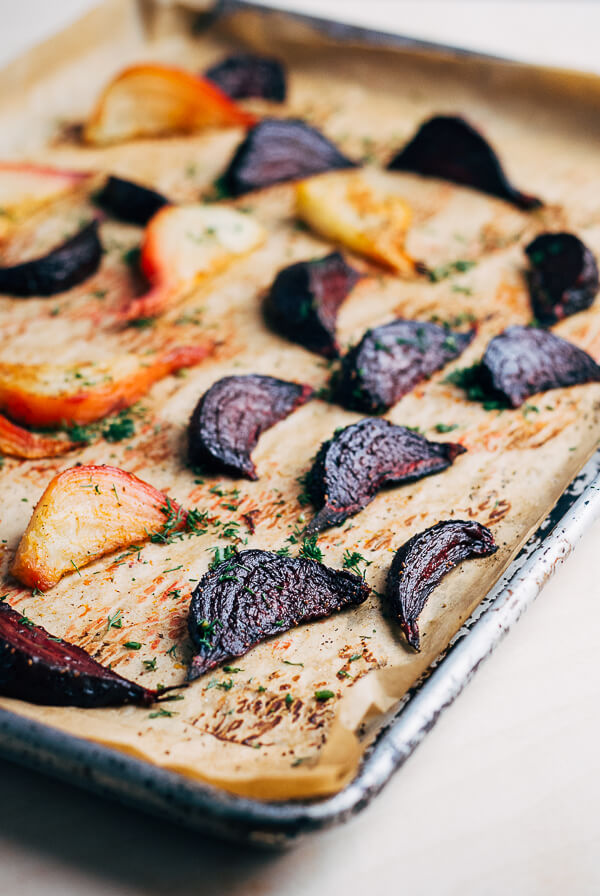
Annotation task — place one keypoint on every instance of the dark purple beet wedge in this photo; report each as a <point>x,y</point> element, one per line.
<point>304,300</point>
<point>40,668</point>
<point>245,75</point>
<point>390,360</point>
<point>524,360</point>
<point>448,147</point>
<point>563,278</point>
<point>257,594</point>
<point>278,150</point>
<point>422,562</point>
<point>231,416</point>
<point>361,459</point>
<point>129,202</point>
<point>62,268</point>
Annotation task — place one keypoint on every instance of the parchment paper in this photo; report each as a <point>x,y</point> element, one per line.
<point>234,729</point>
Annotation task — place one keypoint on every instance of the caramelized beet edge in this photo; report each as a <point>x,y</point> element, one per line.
<point>563,278</point>
<point>304,300</point>
<point>392,359</point>
<point>449,148</point>
<point>422,562</point>
<point>39,668</point>
<point>524,360</point>
<point>256,594</point>
<point>129,202</point>
<point>63,267</point>
<point>245,75</point>
<point>231,416</point>
<point>277,150</point>
<point>357,462</point>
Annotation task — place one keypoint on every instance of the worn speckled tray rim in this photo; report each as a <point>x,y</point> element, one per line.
<point>171,796</point>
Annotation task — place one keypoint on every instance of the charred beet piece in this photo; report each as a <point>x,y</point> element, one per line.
<point>277,150</point>
<point>449,148</point>
<point>360,460</point>
<point>256,594</point>
<point>523,360</point>
<point>68,265</point>
<point>390,360</point>
<point>233,413</point>
<point>563,278</point>
<point>421,563</point>
<point>129,202</point>
<point>304,300</point>
<point>40,668</point>
<point>245,75</point>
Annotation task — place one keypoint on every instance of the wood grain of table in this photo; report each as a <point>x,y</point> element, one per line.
<point>503,796</point>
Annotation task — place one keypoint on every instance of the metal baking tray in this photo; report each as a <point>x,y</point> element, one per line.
<point>276,824</point>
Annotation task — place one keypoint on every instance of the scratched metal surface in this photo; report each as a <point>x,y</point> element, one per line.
<point>202,807</point>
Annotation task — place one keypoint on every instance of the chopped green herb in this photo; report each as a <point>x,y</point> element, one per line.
<point>352,561</point>
<point>150,665</point>
<point>453,267</point>
<point>118,429</point>
<point>162,714</point>
<point>132,645</point>
<point>324,695</point>
<point>445,427</point>
<point>310,550</point>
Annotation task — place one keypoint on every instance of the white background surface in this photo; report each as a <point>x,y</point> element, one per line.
<point>503,796</point>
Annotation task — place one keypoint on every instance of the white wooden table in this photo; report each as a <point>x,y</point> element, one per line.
<point>510,775</point>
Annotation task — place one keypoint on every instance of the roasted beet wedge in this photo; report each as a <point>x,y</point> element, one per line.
<point>186,244</point>
<point>523,360</point>
<point>277,150</point>
<point>18,442</point>
<point>40,668</point>
<point>233,413</point>
<point>563,278</point>
<point>361,459</point>
<point>77,394</point>
<point>423,561</point>
<point>304,300</point>
<point>24,188</point>
<point>63,267</point>
<point>246,75</point>
<point>257,594</point>
<point>449,148</point>
<point>85,513</point>
<point>153,100</point>
<point>390,360</point>
<point>128,201</point>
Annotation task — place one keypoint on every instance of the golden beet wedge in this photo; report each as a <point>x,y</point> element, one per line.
<point>18,442</point>
<point>185,244</point>
<point>25,187</point>
<point>354,209</point>
<point>85,513</point>
<point>153,100</point>
<point>69,394</point>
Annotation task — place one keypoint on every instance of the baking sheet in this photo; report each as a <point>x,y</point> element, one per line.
<point>542,449</point>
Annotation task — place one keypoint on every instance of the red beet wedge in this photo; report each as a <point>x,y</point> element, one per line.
<point>422,562</point>
<point>361,459</point>
<point>39,668</point>
<point>257,594</point>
